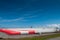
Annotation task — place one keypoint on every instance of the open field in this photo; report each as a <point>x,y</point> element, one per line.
<point>45,37</point>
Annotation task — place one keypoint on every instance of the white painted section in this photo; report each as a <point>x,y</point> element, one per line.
<point>24,32</point>
<point>36,29</point>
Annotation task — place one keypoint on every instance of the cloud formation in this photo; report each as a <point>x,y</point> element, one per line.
<point>32,16</point>
<point>53,25</point>
<point>24,18</point>
<point>12,20</point>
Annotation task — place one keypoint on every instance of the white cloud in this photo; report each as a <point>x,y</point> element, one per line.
<point>53,25</point>
<point>17,19</point>
<point>33,13</point>
<point>12,20</point>
<point>33,16</point>
<point>25,16</point>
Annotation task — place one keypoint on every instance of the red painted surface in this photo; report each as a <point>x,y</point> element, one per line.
<point>10,32</point>
<point>31,31</point>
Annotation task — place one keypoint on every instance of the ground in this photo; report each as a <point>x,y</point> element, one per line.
<point>46,37</point>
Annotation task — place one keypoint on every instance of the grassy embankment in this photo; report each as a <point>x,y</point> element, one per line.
<point>38,38</point>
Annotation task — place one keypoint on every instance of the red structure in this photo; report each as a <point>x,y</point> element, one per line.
<point>11,32</point>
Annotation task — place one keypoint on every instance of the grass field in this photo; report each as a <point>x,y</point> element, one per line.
<point>37,38</point>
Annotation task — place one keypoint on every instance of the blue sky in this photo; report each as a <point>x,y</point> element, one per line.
<point>26,13</point>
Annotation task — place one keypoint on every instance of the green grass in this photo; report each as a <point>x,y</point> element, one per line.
<point>38,38</point>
